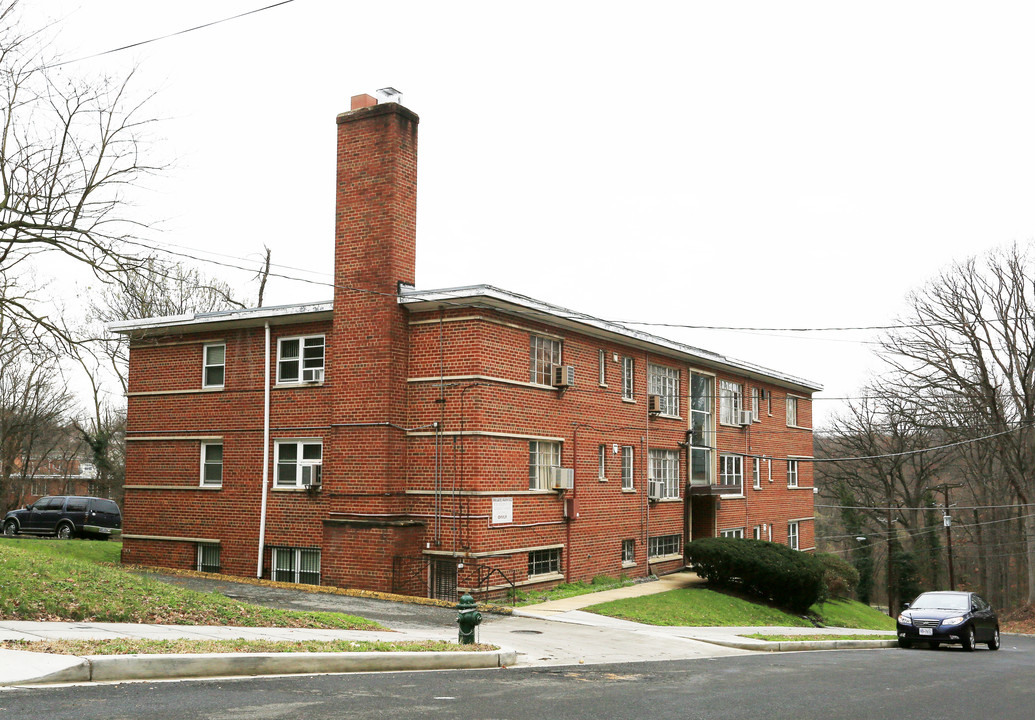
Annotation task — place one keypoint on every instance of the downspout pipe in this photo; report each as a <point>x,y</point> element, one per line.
<point>265,456</point>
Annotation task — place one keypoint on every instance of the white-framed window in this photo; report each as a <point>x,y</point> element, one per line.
<point>756,532</point>
<point>754,404</point>
<point>756,473</point>
<point>628,467</point>
<point>628,553</point>
<point>702,404</point>
<point>792,411</point>
<point>663,381</point>
<point>731,471</point>
<point>792,534</point>
<point>299,463</point>
<point>732,533</point>
<point>300,359</point>
<point>731,401</point>
<point>767,395</point>
<point>662,545</point>
<point>208,558</point>
<point>628,373</point>
<point>602,462</point>
<point>792,473</point>
<point>213,373</point>
<point>601,374</point>
<point>211,464</point>
<point>544,353</point>
<point>544,562</point>
<point>39,487</point>
<point>541,457</point>
<point>664,466</point>
<point>296,565</point>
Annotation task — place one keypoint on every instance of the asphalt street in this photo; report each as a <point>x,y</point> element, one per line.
<point>918,684</point>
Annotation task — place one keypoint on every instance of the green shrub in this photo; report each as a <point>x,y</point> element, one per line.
<point>839,576</point>
<point>769,571</point>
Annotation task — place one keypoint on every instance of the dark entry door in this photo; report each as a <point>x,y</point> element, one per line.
<point>443,580</point>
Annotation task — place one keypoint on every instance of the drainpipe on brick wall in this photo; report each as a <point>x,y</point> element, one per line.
<point>265,456</point>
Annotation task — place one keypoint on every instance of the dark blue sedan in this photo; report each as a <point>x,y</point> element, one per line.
<point>961,618</point>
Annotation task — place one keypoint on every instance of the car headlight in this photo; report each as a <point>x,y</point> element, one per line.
<point>905,620</point>
<point>958,620</point>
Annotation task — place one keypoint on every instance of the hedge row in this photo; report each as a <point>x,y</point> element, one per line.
<point>769,571</point>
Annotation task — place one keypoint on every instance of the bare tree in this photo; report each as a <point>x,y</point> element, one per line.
<point>884,490</point>
<point>69,149</point>
<point>967,351</point>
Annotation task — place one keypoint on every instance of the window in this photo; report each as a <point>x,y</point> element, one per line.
<point>544,354</point>
<point>664,466</point>
<point>731,400</point>
<point>627,467</point>
<point>299,463</point>
<point>628,553</point>
<point>300,359</point>
<point>768,397</point>
<point>792,473</point>
<point>627,378</point>
<point>792,410</point>
<point>731,471</point>
<point>756,473</point>
<point>39,487</point>
<point>665,545</point>
<point>544,562</point>
<point>792,534</point>
<point>754,404</point>
<point>214,362</point>
<point>541,457</point>
<point>664,382</point>
<point>734,533</point>
<point>702,400</point>
<point>600,370</point>
<point>296,565</point>
<point>208,557</point>
<point>212,464</point>
<point>602,462</point>
<point>756,532</point>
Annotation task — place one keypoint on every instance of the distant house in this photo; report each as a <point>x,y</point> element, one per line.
<point>456,439</point>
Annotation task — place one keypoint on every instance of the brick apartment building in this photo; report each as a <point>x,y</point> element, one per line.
<point>422,442</point>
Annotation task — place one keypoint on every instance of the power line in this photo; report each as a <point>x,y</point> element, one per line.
<point>173,34</point>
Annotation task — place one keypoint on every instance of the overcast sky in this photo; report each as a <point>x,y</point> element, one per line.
<point>746,164</point>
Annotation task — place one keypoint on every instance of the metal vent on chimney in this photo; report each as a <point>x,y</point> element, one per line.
<point>390,94</point>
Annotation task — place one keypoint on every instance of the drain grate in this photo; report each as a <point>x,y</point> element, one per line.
<point>527,632</point>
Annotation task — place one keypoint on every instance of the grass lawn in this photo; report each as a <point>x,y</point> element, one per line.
<point>704,607</point>
<point>76,581</point>
<point>566,590</point>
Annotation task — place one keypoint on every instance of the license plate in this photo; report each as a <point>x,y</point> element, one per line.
<point>106,531</point>
<point>926,631</point>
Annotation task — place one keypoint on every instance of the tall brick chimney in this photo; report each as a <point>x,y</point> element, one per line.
<point>374,251</point>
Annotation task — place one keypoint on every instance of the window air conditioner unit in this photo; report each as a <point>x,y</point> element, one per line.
<point>655,489</point>
<point>562,478</point>
<point>563,376</point>
<point>746,417</point>
<point>313,375</point>
<point>315,483</point>
<point>654,404</point>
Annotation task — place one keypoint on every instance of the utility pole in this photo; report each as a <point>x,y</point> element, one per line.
<point>947,521</point>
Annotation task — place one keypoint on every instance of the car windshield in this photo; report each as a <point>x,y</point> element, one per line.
<point>941,601</point>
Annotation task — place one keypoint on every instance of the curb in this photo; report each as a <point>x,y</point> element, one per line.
<point>112,668</point>
<point>793,646</point>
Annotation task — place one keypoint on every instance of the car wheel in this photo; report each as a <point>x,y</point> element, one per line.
<point>10,528</point>
<point>904,644</point>
<point>968,639</point>
<point>993,644</point>
<point>65,532</point>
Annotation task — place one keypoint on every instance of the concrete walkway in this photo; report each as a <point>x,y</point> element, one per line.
<point>554,633</point>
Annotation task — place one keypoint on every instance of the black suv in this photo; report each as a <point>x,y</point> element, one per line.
<point>66,516</point>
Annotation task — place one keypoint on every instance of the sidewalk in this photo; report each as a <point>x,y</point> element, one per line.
<point>549,634</point>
